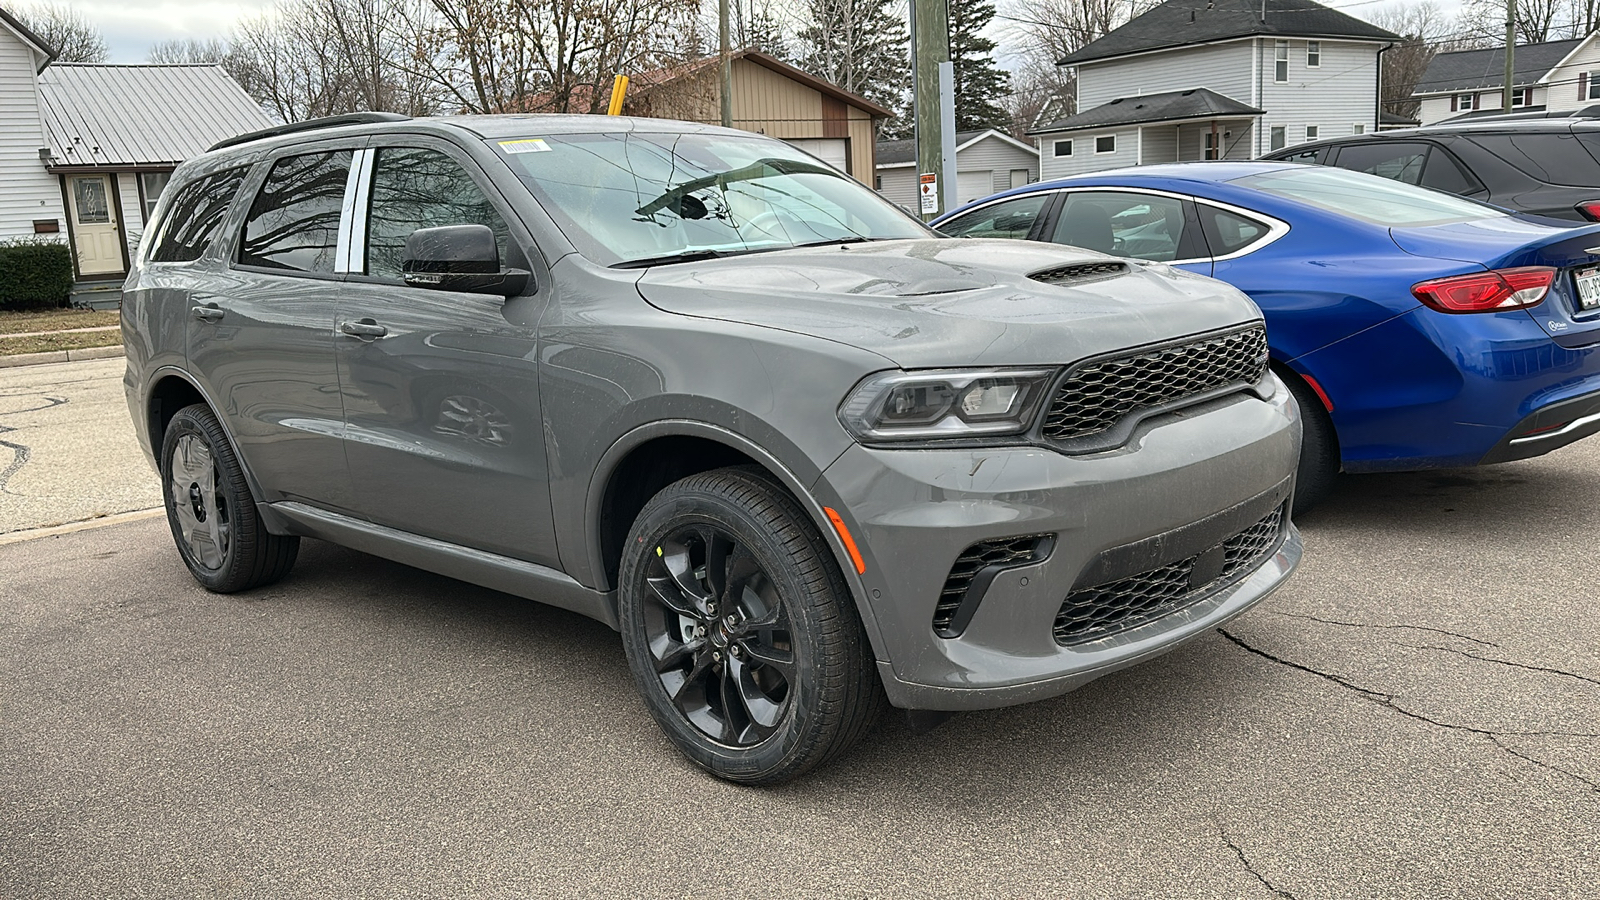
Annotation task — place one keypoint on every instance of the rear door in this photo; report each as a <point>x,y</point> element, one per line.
<point>440,392</point>
<point>262,329</point>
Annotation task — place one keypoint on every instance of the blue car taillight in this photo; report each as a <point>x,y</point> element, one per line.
<point>1487,291</point>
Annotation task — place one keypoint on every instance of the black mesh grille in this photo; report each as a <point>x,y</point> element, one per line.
<point>1104,609</point>
<point>1096,396</point>
<point>1080,272</point>
<point>1005,553</point>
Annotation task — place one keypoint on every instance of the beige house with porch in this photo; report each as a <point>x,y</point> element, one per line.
<point>85,150</point>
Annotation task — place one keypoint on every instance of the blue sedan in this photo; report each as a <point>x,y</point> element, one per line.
<point>1417,329</point>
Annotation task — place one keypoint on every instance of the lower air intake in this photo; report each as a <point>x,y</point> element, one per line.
<point>1101,610</point>
<point>976,566</point>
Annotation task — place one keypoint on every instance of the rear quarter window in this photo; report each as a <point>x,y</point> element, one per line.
<point>195,217</point>
<point>1551,157</point>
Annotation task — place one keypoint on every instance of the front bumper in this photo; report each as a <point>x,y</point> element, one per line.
<point>1181,487</point>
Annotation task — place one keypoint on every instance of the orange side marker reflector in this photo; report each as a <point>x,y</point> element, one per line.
<point>849,542</point>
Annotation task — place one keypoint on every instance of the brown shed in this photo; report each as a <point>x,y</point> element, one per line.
<point>770,97</point>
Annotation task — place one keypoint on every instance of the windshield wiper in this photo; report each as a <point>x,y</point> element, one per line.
<point>851,239</point>
<point>686,256</point>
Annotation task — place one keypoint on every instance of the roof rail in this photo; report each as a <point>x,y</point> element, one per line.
<point>359,118</point>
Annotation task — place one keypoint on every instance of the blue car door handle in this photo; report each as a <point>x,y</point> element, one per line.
<point>364,328</point>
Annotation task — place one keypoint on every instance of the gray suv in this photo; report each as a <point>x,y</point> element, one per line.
<point>807,456</point>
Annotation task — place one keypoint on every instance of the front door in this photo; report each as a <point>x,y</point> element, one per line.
<point>94,225</point>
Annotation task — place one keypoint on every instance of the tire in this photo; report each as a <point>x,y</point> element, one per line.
<point>213,518</point>
<point>768,685</point>
<point>1319,448</point>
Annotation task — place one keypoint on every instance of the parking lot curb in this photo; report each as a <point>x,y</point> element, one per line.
<point>17,537</point>
<point>59,356</point>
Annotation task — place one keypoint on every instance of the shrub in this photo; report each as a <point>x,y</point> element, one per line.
<point>34,272</point>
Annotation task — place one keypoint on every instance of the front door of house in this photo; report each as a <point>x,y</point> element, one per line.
<point>94,225</point>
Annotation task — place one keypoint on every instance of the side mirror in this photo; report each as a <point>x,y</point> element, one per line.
<point>459,258</point>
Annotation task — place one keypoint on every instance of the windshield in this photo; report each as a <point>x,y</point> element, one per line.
<point>635,197</point>
<point>1367,197</point>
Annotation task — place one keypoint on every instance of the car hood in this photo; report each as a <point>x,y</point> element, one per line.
<point>947,302</point>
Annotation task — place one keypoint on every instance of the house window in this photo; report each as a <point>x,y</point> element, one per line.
<point>1594,85</point>
<point>1521,97</point>
<point>1212,141</point>
<point>1466,101</point>
<point>1105,143</point>
<point>1358,128</point>
<point>1312,131</point>
<point>1313,54</point>
<point>1279,137</point>
<point>1280,71</point>
<point>151,184</point>
<point>1063,148</point>
<point>877,182</point>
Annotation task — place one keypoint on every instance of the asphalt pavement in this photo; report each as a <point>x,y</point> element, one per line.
<point>1416,714</point>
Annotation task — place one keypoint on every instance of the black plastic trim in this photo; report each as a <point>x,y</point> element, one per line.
<point>1554,414</point>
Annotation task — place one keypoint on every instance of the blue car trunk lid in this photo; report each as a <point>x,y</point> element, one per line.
<point>1507,242</point>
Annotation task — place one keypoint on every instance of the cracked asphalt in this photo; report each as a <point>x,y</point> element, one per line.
<point>1417,714</point>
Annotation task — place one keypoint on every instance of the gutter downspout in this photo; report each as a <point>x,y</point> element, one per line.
<point>1377,126</point>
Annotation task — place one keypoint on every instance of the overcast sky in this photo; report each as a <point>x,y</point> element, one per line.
<point>132,26</point>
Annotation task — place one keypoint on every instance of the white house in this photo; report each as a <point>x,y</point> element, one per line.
<point>986,162</point>
<point>1216,79</point>
<point>85,150</point>
<point>1557,76</point>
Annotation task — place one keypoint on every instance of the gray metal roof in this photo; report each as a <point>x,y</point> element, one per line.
<point>1179,23</point>
<point>906,151</point>
<point>146,115</point>
<point>1467,70</point>
<point>1195,103</point>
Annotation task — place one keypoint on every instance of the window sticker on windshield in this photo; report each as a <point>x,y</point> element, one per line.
<point>530,145</point>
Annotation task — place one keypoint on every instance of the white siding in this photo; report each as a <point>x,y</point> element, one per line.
<point>1000,158</point>
<point>899,186</point>
<point>1434,109</point>
<point>1224,68</point>
<point>1160,145</point>
<point>1083,158</point>
<point>1333,97</point>
<point>27,191</point>
<point>132,213</point>
<point>1562,81</point>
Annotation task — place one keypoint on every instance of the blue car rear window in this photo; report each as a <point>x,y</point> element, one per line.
<point>1367,197</point>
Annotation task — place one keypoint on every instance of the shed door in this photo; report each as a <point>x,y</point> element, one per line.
<point>833,151</point>
<point>972,186</point>
<point>94,225</point>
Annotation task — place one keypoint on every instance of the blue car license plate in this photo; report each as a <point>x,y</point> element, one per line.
<point>1588,287</point>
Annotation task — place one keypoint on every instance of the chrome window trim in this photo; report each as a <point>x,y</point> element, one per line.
<point>351,248</point>
<point>1276,228</point>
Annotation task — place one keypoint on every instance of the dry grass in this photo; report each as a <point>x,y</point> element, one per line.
<point>10,346</point>
<point>23,321</point>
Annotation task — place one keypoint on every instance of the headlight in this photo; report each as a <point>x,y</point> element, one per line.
<point>944,404</point>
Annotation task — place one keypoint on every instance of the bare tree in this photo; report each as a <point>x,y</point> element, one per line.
<point>68,32</point>
<point>190,51</point>
<point>1482,23</point>
<point>863,47</point>
<point>1045,32</point>
<point>1425,31</point>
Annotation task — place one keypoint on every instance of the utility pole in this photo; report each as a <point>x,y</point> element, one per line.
<point>727,65</point>
<point>1511,49</point>
<point>930,46</point>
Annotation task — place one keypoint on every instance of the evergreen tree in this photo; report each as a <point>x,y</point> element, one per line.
<point>981,85</point>
<point>863,47</point>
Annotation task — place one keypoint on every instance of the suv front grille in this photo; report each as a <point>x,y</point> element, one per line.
<point>1105,609</point>
<point>1004,553</point>
<point>1096,396</point>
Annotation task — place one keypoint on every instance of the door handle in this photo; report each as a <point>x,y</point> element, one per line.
<point>365,328</point>
<point>208,312</point>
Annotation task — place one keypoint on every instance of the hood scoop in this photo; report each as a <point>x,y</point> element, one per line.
<point>1078,273</point>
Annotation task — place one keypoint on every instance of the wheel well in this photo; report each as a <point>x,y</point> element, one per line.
<point>642,474</point>
<point>168,396</point>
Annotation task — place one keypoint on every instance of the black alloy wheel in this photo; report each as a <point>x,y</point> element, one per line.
<point>210,510</point>
<point>741,634</point>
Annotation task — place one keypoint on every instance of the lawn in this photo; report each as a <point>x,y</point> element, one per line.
<point>15,322</point>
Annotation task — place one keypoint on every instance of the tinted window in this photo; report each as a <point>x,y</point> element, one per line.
<point>294,221</point>
<point>195,216</point>
<point>1138,226</point>
<point>1397,161</point>
<point>1444,174</point>
<point>1550,157</point>
<point>1315,156</point>
<point>415,188</point>
<point>1006,219</point>
<point>1375,200</point>
<point>1229,233</point>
